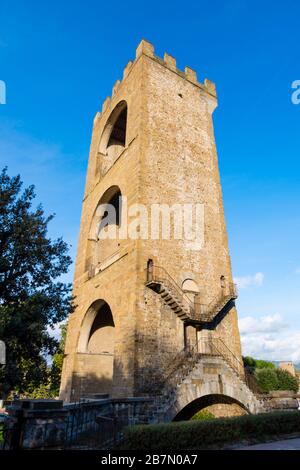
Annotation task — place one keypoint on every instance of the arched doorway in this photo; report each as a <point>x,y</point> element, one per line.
<point>96,350</point>
<point>216,404</point>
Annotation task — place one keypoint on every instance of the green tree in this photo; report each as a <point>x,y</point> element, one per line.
<point>249,361</point>
<point>32,298</point>
<point>260,364</point>
<point>57,362</point>
<point>286,381</point>
<point>267,379</point>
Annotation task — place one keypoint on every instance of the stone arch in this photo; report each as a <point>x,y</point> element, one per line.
<point>189,285</point>
<point>103,240</point>
<point>95,349</point>
<point>208,401</point>
<point>212,377</point>
<point>97,317</point>
<point>114,136</point>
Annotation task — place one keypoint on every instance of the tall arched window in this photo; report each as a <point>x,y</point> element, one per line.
<point>103,238</point>
<point>113,139</point>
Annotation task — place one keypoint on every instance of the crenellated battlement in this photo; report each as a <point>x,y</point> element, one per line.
<point>147,49</point>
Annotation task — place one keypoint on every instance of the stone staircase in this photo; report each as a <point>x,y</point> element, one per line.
<point>188,376</point>
<point>186,368</point>
<point>159,280</point>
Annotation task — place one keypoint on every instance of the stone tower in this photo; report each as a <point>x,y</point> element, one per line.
<point>143,301</point>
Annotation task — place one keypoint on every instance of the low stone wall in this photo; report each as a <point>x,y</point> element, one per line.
<point>280,400</point>
<point>37,424</point>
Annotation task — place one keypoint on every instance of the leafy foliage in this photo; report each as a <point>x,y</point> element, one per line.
<point>267,379</point>
<point>31,296</point>
<point>270,377</point>
<point>286,381</point>
<point>251,363</point>
<point>199,434</point>
<point>260,364</point>
<point>276,379</point>
<point>57,362</point>
<point>203,414</point>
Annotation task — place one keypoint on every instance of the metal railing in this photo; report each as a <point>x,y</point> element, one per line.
<point>159,275</point>
<point>225,294</point>
<point>183,362</point>
<point>87,429</point>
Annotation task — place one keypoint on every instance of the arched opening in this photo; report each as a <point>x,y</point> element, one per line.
<point>192,291</point>
<point>102,333</point>
<point>96,350</point>
<point>149,270</point>
<point>113,139</point>
<point>103,241</point>
<point>216,405</point>
<point>118,133</point>
<point>110,208</point>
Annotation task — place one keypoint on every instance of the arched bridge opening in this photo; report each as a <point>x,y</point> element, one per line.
<point>216,404</point>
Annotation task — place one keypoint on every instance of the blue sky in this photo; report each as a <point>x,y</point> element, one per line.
<point>59,61</point>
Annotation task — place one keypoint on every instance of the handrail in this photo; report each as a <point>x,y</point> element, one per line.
<point>230,293</point>
<point>229,356</point>
<point>176,370</point>
<point>158,274</point>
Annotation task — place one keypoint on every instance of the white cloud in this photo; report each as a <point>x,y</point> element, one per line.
<point>267,324</point>
<point>246,281</point>
<point>269,338</point>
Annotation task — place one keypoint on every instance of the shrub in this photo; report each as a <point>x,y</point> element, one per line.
<point>199,434</point>
<point>267,379</point>
<point>251,363</point>
<point>260,364</point>
<point>276,379</point>
<point>286,381</point>
<point>204,415</point>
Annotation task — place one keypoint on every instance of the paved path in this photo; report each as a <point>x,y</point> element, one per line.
<point>286,444</point>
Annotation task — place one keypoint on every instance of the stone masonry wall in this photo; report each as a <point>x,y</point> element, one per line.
<point>169,157</point>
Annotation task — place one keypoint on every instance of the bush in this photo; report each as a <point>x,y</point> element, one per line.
<point>286,381</point>
<point>198,434</point>
<point>276,379</point>
<point>267,379</point>
<point>251,363</point>
<point>260,364</point>
<point>204,415</point>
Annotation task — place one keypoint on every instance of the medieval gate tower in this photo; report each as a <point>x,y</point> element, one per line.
<point>146,306</point>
